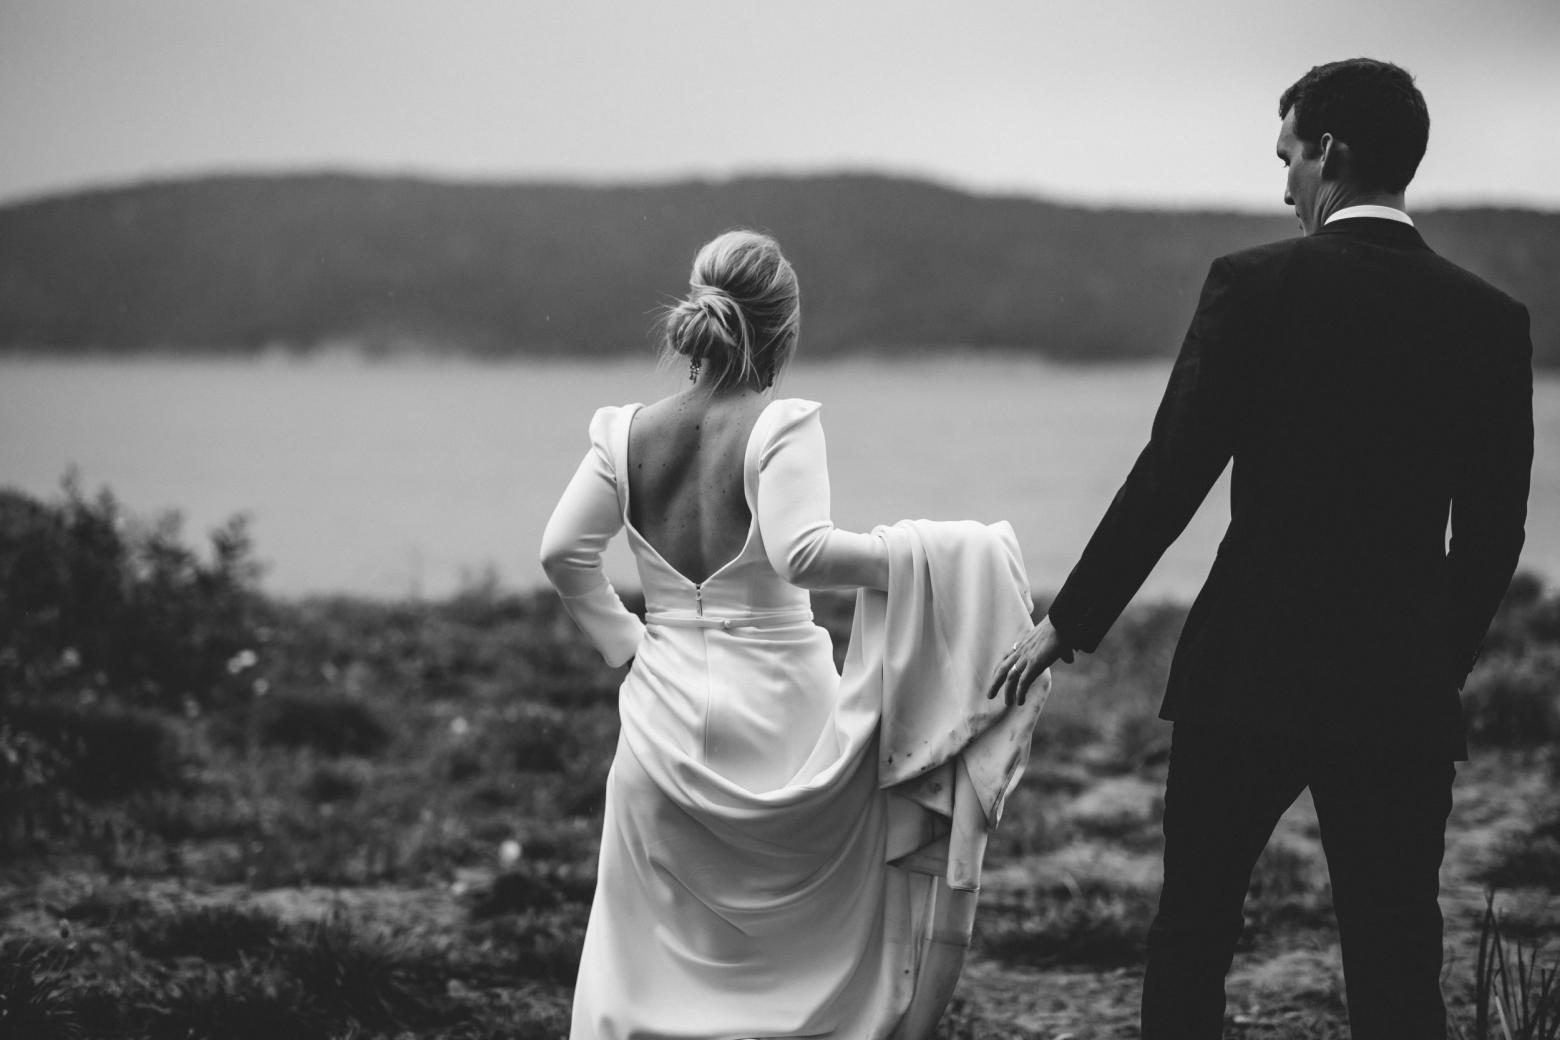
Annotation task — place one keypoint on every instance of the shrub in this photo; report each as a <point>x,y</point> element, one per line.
<point>1530,860</point>
<point>532,887</point>
<point>212,933</point>
<point>328,722</point>
<point>32,802</point>
<point>59,764</point>
<point>107,626</point>
<point>539,740</point>
<point>1528,615</point>
<point>89,595</point>
<point>1513,697</point>
<point>103,752</point>
<point>332,782</point>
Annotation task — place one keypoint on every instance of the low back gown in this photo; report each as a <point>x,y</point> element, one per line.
<point>742,890</point>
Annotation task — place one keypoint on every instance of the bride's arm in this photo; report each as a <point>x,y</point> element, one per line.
<point>584,521</point>
<point>803,545</point>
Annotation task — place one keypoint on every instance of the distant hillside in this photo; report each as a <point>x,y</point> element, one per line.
<point>245,263</point>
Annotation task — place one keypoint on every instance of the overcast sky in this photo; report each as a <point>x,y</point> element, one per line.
<point>1153,102</point>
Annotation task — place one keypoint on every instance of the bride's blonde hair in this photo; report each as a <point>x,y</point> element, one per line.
<point>742,313</point>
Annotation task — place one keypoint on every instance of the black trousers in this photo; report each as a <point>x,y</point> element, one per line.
<point>1383,827</point>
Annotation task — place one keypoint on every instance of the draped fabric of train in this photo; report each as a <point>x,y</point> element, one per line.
<point>947,757</point>
<point>786,853</point>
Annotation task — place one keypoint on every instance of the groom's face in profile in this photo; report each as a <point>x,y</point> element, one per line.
<point>1303,183</point>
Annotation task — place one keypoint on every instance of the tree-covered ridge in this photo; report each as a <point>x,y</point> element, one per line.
<point>250,262</point>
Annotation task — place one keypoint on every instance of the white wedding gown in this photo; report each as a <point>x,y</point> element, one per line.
<point>743,887</point>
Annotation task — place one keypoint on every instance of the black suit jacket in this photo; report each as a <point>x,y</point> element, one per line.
<point>1368,391</point>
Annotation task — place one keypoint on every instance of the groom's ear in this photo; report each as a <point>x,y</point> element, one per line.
<point>1335,157</point>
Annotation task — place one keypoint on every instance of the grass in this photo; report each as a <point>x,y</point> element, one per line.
<point>35,992</point>
<point>1516,988</point>
<point>314,843</point>
<point>964,1021</point>
<point>1097,929</point>
<point>222,933</point>
<point>224,971</point>
<point>1289,893</point>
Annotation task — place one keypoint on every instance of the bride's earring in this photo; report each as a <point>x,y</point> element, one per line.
<point>693,369</point>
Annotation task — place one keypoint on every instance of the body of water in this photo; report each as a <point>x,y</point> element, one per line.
<point>413,477</point>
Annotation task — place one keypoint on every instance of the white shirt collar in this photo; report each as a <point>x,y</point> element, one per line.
<point>1380,212</point>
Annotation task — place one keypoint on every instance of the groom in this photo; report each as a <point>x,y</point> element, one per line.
<point>1367,390</point>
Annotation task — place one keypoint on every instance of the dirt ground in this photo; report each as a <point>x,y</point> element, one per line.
<point>1286,981</point>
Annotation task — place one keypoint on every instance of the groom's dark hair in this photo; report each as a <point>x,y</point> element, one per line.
<point>1371,106</point>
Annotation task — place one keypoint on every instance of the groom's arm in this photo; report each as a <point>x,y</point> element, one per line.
<point>1191,442</point>
<point>1489,503</point>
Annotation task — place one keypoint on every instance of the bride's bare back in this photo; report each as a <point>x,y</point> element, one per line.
<point>685,456</point>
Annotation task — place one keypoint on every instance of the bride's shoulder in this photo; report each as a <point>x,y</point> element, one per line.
<point>609,420</point>
<point>784,421</point>
<point>783,411</point>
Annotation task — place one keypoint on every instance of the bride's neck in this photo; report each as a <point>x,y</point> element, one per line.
<point>705,388</point>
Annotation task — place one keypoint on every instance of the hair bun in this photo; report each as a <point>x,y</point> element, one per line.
<point>741,312</point>
<point>710,321</point>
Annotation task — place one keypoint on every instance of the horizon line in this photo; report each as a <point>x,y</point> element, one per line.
<point>25,197</point>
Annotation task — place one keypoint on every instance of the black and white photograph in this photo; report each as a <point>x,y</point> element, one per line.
<point>825,521</point>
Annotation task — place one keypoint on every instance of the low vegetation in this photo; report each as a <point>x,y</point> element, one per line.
<point>223,815</point>
<point>1516,987</point>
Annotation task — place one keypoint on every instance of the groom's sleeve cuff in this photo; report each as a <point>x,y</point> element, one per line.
<point>1069,634</point>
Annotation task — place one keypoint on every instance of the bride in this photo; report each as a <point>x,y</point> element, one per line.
<point>783,854</point>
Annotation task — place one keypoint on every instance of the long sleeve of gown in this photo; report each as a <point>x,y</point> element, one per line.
<point>584,521</point>
<point>803,545</point>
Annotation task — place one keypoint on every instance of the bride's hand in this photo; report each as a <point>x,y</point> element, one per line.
<point>1026,661</point>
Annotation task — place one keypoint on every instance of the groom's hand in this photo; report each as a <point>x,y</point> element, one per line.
<point>1025,663</point>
